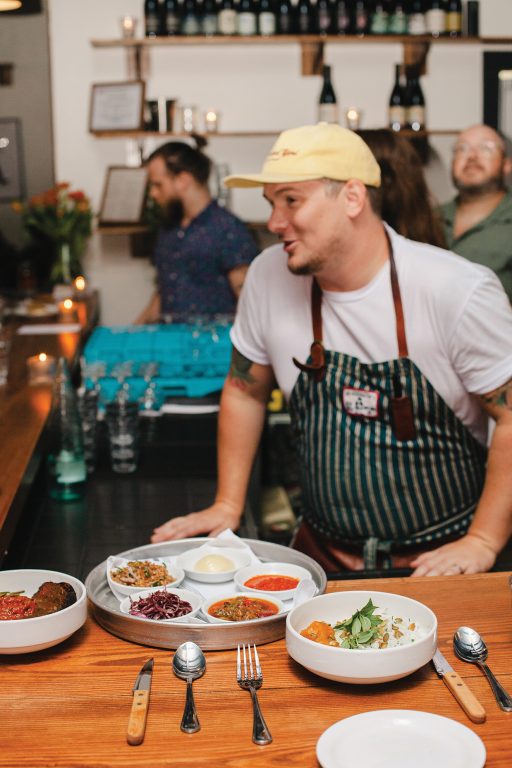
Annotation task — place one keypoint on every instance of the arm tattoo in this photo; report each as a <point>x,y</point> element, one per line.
<point>501,397</point>
<point>240,370</point>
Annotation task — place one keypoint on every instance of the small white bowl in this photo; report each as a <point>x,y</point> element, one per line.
<point>372,665</point>
<point>214,620</point>
<point>193,598</point>
<point>120,590</point>
<point>189,559</point>
<point>262,569</point>
<point>27,635</point>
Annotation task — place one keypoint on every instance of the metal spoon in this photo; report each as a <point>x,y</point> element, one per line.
<point>188,664</point>
<point>469,646</point>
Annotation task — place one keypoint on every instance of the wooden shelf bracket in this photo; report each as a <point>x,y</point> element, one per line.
<point>312,57</point>
<point>415,55</point>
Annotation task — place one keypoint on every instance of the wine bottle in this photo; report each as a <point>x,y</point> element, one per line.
<point>152,18</point>
<point>267,19</point>
<point>472,26</point>
<point>327,104</point>
<point>415,102</point>
<point>397,101</point>
<point>417,25</point>
<point>247,22</point>
<point>361,17</point>
<point>171,17</point>
<point>304,21</point>
<point>227,18</point>
<point>323,17</point>
<point>342,19</point>
<point>398,21</point>
<point>454,18</point>
<point>190,18</point>
<point>209,18</point>
<point>435,18</point>
<point>379,18</point>
<point>284,17</point>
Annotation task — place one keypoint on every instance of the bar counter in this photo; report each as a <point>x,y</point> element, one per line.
<point>68,706</point>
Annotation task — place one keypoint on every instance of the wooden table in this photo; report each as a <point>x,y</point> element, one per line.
<point>24,409</point>
<point>68,706</point>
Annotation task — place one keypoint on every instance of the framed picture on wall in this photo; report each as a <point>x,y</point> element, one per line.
<point>12,182</point>
<point>124,195</point>
<point>117,106</point>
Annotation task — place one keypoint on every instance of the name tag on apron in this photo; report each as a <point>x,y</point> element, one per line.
<point>361,402</point>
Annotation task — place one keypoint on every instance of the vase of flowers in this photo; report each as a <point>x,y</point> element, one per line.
<point>58,222</point>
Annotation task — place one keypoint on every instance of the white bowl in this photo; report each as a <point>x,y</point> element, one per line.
<point>193,598</point>
<point>354,665</point>
<point>281,569</point>
<point>214,620</point>
<point>120,590</point>
<point>27,635</point>
<point>188,560</point>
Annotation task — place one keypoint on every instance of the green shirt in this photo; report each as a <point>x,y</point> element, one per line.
<point>489,242</point>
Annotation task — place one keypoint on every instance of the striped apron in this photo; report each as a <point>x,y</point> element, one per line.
<point>386,465</point>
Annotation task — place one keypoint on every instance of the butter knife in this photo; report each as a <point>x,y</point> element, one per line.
<point>140,704</point>
<point>459,689</point>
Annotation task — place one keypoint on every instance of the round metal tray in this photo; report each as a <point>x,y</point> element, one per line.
<point>210,637</point>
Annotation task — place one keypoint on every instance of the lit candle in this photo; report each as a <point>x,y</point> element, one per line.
<point>80,285</point>
<point>41,368</point>
<point>211,121</point>
<point>353,118</point>
<point>67,311</point>
<point>128,24</point>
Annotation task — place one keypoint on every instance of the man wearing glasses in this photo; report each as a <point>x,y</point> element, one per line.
<point>478,222</point>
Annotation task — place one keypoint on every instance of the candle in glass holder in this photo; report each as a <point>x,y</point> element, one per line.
<point>80,285</point>
<point>41,368</point>
<point>128,25</point>
<point>67,311</point>
<point>211,121</point>
<point>353,118</point>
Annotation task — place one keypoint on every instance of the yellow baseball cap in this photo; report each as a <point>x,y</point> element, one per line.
<point>322,151</point>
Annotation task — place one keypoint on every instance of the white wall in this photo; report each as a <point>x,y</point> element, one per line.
<point>254,87</point>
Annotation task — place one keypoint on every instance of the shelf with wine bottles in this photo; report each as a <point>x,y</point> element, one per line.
<point>415,46</point>
<point>141,135</point>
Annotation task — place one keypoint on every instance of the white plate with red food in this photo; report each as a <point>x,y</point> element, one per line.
<point>162,604</point>
<point>38,609</point>
<point>241,606</point>
<point>274,579</point>
<point>126,577</point>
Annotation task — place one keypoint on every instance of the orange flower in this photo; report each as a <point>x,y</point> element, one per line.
<point>17,207</point>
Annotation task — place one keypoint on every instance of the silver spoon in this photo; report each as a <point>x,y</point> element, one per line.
<point>188,664</point>
<point>469,646</point>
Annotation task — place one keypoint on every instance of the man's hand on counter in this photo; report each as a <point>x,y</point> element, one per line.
<point>212,520</point>
<point>470,554</point>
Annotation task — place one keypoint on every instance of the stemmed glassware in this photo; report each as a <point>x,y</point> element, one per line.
<point>149,400</point>
<point>121,371</point>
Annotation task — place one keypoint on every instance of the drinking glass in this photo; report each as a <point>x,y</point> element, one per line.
<point>123,432</point>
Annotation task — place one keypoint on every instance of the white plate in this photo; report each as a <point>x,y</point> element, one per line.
<point>193,598</point>
<point>214,620</point>
<point>239,556</point>
<point>282,569</point>
<point>122,590</point>
<point>399,738</point>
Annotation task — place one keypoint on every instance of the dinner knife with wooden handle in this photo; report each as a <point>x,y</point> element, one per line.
<point>459,689</point>
<point>140,704</point>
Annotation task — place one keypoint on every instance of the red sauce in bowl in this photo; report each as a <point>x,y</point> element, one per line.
<point>242,608</point>
<point>271,582</point>
<point>14,607</point>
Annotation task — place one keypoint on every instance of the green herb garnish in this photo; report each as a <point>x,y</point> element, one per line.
<point>362,628</point>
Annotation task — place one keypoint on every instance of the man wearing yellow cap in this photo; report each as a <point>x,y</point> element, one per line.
<point>392,355</point>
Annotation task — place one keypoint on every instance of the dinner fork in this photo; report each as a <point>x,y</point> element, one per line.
<point>251,680</point>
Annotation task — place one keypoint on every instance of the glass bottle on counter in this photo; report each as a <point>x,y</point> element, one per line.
<point>361,17</point>
<point>227,18</point>
<point>247,21</point>
<point>209,18</point>
<point>435,18</point>
<point>267,18</point>
<point>454,18</point>
<point>417,25</point>
<point>379,18</point>
<point>171,17</point>
<point>327,104</point>
<point>65,449</point>
<point>152,18</point>
<point>323,17</point>
<point>190,18</point>
<point>284,17</point>
<point>397,115</point>
<point>342,17</point>
<point>398,21</point>
<point>303,21</point>
<point>415,102</point>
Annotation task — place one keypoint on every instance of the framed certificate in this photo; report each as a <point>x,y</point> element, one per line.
<point>124,195</point>
<point>117,107</point>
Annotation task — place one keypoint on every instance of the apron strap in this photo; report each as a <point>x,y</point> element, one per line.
<point>397,302</point>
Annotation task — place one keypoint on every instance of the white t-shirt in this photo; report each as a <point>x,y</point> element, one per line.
<point>458,322</point>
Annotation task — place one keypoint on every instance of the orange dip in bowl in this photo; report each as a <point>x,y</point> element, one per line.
<point>271,582</point>
<point>242,608</point>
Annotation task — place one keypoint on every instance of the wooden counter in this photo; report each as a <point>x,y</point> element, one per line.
<point>24,409</point>
<point>68,706</point>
